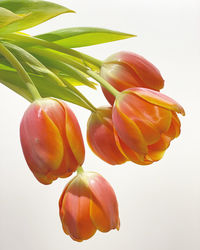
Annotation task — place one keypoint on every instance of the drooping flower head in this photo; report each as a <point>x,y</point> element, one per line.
<point>100,136</point>
<point>145,122</point>
<point>51,140</point>
<point>88,203</point>
<point>125,70</point>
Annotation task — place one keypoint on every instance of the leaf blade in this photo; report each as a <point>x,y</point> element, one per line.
<point>35,11</point>
<point>7,17</point>
<point>83,36</point>
<point>46,87</point>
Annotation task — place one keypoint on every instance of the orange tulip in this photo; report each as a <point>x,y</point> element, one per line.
<point>100,136</point>
<point>88,203</point>
<point>145,122</point>
<point>51,140</point>
<point>125,70</point>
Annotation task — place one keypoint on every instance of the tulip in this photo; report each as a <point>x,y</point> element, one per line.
<point>125,70</point>
<point>88,203</point>
<point>145,122</point>
<point>100,136</point>
<point>51,140</point>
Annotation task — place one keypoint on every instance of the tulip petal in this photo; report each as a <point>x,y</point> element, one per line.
<point>120,77</point>
<point>56,111</point>
<point>158,99</point>
<point>100,137</point>
<point>104,207</point>
<point>73,133</point>
<point>148,74</point>
<point>175,128</point>
<point>128,131</point>
<point>150,119</point>
<point>75,211</point>
<point>157,150</point>
<point>131,154</point>
<point>36,132</point>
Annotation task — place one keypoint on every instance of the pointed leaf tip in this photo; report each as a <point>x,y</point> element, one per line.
<point>33,13</point>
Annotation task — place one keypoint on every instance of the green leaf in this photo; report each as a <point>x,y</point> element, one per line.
<point>56,63</point>
<point>7,17</point>
<point>83,36</point>
<point>46,87</point>
<point>50,59</point>
<point>34,11</point>
<point>26,41</point>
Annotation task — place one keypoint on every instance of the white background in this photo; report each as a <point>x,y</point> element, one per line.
<point>159,204</point>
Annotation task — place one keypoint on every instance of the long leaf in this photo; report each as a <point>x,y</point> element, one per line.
<point>83,36</point>
<point>46,87</point>
<point>70,73</point>
<point>7,17</point>
<point>25,41</point>
<point>54,62</point>
<point>35,11</point>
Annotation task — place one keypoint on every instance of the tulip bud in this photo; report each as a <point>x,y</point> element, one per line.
<point>51,140</point>
<point>125,70</point>
<point>100,136</point>
<point>88,203</point>
<point>145,122</point>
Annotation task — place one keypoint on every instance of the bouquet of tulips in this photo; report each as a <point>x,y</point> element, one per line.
<point>137,125</point>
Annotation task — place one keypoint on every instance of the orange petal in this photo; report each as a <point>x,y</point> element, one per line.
<point>56,111</point>
<point>131,154</point>
<point>158,99</point>
<point>128,131</point>
<point>74,136</point>
<point>150,119</point>
<point>75,211</point>
<point>41,141</point>
<point>148,74</point>
<point>175,128</point>
<point>157,150</point>
<point>100,137</point>
<point>155,155</point>
<point>104,207</point>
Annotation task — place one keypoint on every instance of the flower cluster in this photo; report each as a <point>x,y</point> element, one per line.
<point>138,126</point>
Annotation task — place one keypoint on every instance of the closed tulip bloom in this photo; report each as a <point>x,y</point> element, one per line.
<point>88,203</point>
<point>100,136</point>
<point>145,123</point>
<point>51,140</point>
<point>125,70</point>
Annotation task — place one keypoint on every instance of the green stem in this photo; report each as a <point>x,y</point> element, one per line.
<point>20,70</point>
<point>80,170</point>
<point>92,108</point>
<point>103,82</point>
<point>90,59</point>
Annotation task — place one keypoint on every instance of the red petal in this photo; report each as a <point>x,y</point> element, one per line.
<point>41,141</point>
<point>131,154</point>
<point>158,99</point>
<point>75,211</point>
<point>128,131</point>
<point>74,135</point>
<point>104,207</point>
<point>101,139</point>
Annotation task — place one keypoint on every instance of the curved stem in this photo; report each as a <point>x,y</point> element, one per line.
<point>103,82</point>
<point>80,170</point>
<point>62,82</point>
<point>20,70</point>
<point>90,59</point>
<point>92,108</point>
